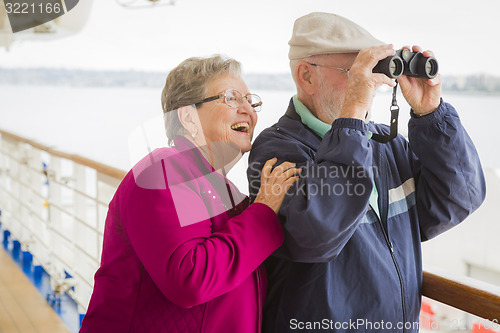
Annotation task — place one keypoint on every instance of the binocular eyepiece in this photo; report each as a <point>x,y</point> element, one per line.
<point>408,63</point>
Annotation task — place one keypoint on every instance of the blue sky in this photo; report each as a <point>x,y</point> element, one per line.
<point>463,34</point>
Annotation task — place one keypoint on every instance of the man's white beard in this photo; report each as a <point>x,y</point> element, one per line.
<point>331,103</point>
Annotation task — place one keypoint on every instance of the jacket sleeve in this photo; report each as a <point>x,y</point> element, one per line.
<point>322,210</point>
<point>195,263</point>
<point>449,179</point>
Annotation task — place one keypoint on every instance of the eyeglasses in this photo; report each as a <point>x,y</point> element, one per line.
<point>346,70</point>
<point>234,99</point>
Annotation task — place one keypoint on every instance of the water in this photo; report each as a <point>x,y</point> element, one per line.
<point>103,123</point>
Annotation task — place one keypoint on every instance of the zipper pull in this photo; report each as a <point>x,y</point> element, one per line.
<point>391,247</point>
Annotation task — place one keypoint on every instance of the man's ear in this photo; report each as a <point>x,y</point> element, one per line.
<point>305,75</point>
<point>188,118</point>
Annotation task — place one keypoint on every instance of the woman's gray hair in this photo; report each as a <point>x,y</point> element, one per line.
<point>187,84</point>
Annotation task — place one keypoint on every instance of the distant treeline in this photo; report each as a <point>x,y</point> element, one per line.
<point>86,78</point>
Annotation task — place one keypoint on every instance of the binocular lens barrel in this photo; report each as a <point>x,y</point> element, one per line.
<point>391,66</point>
<point>430,68</point>
<point>412,64</point>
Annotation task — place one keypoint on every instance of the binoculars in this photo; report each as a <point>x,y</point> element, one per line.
<point>408,63</point>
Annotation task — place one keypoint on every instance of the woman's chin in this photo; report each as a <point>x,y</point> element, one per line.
<point>244,144</point>
<point>245,147</point>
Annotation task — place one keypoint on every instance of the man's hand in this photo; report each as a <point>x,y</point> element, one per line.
<point>363,82</point>
<point>423,95</point>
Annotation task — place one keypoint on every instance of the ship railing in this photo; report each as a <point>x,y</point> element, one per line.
<point>473,296</point>
<point>55,205</point>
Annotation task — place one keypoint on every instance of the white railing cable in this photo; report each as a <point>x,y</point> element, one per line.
<point>55,205</point>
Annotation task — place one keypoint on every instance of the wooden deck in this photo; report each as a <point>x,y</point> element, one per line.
<point>22,308</point>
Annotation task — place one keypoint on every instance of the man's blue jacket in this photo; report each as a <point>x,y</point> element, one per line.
<point>343,267</point>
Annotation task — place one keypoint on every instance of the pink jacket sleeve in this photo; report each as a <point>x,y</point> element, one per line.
<point>193,264</point>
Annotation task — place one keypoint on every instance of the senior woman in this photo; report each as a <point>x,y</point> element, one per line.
<point>183,248</point>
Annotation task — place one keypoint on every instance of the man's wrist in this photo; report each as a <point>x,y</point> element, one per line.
<point>431,117</point>
<point>352,112</point>
<point>352,123</point>
<point>421,114</point>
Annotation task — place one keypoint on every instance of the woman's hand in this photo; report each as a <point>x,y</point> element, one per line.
<point>274,184</point>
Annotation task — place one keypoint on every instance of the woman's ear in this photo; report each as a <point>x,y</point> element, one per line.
<point>188,118</point>
<point>305,76</point>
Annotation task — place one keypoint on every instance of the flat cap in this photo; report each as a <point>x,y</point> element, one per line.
<point>323,33</point>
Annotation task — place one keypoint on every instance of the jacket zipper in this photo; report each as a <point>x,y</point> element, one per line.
<point>400,277</point>
<point>384,213</point>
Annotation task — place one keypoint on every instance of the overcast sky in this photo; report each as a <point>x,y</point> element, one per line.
<point>463,34</point>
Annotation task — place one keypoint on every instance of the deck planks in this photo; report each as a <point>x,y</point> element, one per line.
<point>22,308</point>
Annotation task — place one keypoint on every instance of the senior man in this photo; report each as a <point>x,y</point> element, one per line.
<point>355,220</point>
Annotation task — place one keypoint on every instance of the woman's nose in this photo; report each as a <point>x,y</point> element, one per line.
<point>245,106</point>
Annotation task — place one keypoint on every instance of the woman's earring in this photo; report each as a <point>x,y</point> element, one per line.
<point>193,135</point>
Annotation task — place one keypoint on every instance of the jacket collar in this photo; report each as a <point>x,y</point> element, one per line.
<point>293,126</point>
<point>184,146</point>
<point>292,113</point>
<point>307,118</point>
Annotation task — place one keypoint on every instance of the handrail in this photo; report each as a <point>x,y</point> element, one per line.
<point>100,167</point>
<point>54,204</point>
<point>467,294</point>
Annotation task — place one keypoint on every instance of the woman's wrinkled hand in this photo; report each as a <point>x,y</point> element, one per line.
<point>274,183</point>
